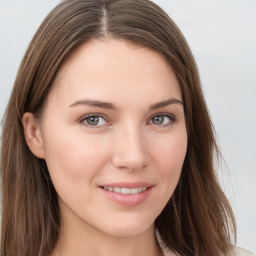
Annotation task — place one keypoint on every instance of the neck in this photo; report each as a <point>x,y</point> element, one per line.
<point>91,242</point>
<point>82,239</point>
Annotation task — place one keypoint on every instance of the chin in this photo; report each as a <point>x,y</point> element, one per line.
<point>129,227</point>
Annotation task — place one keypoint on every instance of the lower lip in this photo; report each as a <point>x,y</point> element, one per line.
<point>128,199</point>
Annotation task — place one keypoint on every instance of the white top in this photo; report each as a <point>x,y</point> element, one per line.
<point>236,251</point>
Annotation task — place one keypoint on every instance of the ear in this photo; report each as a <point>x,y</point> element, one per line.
<point>33,135</point>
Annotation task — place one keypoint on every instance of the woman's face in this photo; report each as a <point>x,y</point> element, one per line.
<point>114,137</point>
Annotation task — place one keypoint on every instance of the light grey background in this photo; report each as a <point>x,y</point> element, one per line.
<point>222,36</point>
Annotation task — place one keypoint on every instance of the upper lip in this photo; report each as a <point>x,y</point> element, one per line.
<point>137,184</point>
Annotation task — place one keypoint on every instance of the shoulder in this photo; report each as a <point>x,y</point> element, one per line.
<point>237,251</point>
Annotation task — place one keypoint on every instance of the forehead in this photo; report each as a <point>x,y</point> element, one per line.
<point>114,68</point>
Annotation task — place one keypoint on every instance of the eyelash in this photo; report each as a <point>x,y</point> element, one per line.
<point>95,116</point>
<point>172,119</point>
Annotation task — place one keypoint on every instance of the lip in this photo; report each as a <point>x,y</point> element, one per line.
<point>127,200</point>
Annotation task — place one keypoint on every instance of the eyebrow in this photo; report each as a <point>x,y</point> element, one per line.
<point>108,105</point>
<point>94,103</point>
<point>166,103</point>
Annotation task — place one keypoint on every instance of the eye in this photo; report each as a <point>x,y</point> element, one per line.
<point>94,120</point>
<point>162,119</point>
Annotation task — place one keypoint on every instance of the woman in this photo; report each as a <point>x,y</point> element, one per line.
<point>107,145</point>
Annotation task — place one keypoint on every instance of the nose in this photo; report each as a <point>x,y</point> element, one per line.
<point>129,150</point>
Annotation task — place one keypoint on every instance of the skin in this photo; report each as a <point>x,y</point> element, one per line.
<point>131,142</point>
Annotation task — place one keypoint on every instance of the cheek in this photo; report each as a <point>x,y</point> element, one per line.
<point>175,146</point>
<point>170,155</point>
<point>73,157</point>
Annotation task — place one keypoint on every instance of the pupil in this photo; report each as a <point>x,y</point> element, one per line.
<point>158,120</point>
<point>93,120</point>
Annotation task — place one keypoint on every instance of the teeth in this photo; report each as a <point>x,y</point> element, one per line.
<point>134,191</point>
<point>126,191</point>
<point>117,190</point>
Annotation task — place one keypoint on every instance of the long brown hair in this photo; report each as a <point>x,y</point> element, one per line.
<point>197,219</point>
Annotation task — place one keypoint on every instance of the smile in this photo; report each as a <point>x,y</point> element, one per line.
<point>127,194</point>
<point>126,191</point>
